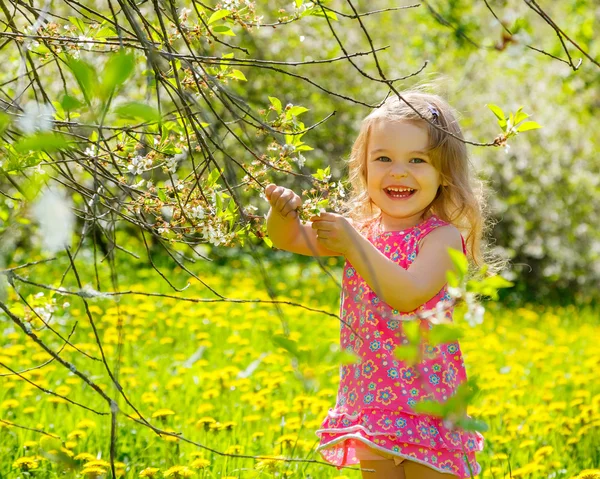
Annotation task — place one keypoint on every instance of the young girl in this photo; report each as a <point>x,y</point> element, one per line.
<point>411,199</point>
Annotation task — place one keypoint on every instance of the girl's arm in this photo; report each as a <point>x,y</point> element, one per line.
<point>284,227</point>
<point>406,290</point>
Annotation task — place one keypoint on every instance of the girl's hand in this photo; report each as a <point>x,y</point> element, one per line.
<point>335,232</point>
<point>283,201</point>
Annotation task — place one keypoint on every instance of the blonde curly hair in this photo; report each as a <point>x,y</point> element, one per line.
<point>462,198</point>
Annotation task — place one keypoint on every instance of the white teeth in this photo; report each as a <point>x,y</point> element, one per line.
<point>400,189</point>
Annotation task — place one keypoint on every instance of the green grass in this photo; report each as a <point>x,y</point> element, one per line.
<point>223,383</point>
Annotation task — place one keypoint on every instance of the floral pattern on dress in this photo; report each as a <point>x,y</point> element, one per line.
<point>376,397</point>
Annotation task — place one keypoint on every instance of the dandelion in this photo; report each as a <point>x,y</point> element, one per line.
<point>268,463</point>
<point>205,422</point>
<point>149,472</point>
<point>26,463</point>
<point>200,463</point>
<point>179,472</point>
<point>77,434</point>
<point>84,456</point>
<point>93,472</point>
<point>86,424</point>
<point>9,404</point>
<point>234,449</point>
<point>162,413</point>
<point>229,425</point>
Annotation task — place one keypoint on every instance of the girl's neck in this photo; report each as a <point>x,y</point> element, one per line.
<point>388,223</point>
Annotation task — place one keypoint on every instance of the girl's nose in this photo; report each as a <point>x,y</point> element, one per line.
<point>399,174</point>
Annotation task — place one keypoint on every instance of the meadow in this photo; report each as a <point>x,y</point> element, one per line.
<point>212,372</point>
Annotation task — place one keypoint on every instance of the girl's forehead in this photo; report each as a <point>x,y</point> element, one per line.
<point>398,135</point>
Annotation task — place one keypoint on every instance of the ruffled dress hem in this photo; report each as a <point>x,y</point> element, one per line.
<point>321,449</point>
<point>416,437</point>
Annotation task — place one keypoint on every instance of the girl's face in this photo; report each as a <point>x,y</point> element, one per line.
<point>396,158</point>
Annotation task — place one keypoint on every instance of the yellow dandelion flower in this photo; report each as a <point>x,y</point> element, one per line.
<point>84,456</point>
<point>168,437</point>
<point>200,463</point>
<point>63,390</point>
<point>543,452</point>
<point>149,398</point>
<point>93,472</point>
<point>210,394</point>
<point>215,427</point>
<point>9,404</point>
<point>29,410</point>
<point>229,425</point>
<point>205,421</point>
<point>179,472</point>
<point>26,463</point>
<point>589,474</point>
<point>30,444</point>
<point>86,424</point>
<point>268,463</point>
<point>77,434</point>
<point>257,435</point>
<point>149,472</point>
<point>203,408</point>
<point>234,449</point>
<point>252,418</point>
<point>97,463</point>
<point>57,400</point>
<point>287,440</point>
<point>526,443</point>
<point>161,413</point>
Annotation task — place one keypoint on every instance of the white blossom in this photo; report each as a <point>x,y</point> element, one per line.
<point>53,213</point>
<point>36,117</point>
<point>139,164</point>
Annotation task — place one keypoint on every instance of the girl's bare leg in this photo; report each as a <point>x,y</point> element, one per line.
<point>384,469</point>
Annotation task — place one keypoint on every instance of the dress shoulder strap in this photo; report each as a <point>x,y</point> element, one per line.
<point>432,223</point>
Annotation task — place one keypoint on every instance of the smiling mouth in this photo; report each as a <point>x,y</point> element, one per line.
<point>399,195</point>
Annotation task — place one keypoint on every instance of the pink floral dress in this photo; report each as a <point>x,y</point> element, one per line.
<point>375,397</point>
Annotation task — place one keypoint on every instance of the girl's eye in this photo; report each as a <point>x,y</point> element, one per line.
<point>420,159</point>
<point>384,157</point>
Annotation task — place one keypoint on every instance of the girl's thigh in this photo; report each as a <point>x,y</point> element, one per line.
<point>412,470</point>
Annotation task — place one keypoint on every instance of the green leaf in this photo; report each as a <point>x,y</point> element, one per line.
<point>69,102</point>
<point>118,69</point>
<point>216,16</point>
<point>238,75</point>
<point>429,407</point>
<point>45,141</point>
<point>412,331</point>
<point>443,333</point>
<point>276,104</point>
<point>528,125</point>
<point>520,116</point>
<point>161,195</point>
<point>86,76</point>
<point>295,111</point>
<point>318,12</point>
<point>452,279</point>
<point>4,121</point>
<point>496,110</point>
<point>298,3</point>
<point>78,23</point>
<point>407,353</point>
<point>138,110</point>
<point>472,424</point>
<point>223,30</point>
<point>212,178</point>
<point>460,262</point>
<point>287,344</point>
